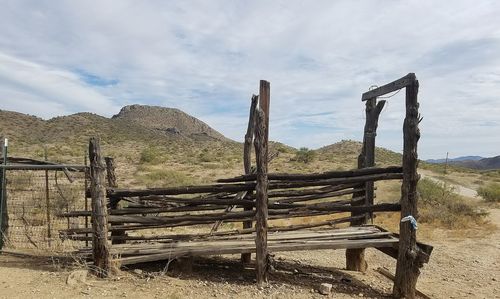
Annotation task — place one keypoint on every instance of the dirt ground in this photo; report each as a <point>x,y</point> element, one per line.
<point>459,268</point>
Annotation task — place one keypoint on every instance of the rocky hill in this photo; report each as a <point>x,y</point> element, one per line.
<point>134,127</point>
<point>135,122</point>
<point>168,121</point>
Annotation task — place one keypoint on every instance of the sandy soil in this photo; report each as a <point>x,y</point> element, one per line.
<point>459,268</point>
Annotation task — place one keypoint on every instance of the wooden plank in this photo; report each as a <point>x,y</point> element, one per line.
<point>334,244</point>
<point>100,245</point>
<point>224,234</point>
<point>390,87</point>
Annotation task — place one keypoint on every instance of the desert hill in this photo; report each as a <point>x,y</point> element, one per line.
<point>133,125</point>
<point>168,121</point>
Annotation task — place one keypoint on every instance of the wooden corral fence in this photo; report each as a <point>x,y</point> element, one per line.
<point>259,197</point>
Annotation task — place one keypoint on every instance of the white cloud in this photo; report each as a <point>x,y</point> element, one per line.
<point>207,57</point>
<point>32,88</point>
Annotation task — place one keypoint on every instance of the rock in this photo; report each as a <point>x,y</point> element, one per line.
<point>325,288</point>
<point>138,271</point>
<point>78,276</point>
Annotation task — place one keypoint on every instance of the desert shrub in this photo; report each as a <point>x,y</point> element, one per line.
<point>209,156</point>
<point>149,155</point>
<point>304,155</point>
<point>440,204</point>
<point>490,192</point>
<point>165,178</point>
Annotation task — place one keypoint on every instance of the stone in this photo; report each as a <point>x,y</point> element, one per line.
<point>78,276</point>
<point>138,271</point>
<point>325,288</point>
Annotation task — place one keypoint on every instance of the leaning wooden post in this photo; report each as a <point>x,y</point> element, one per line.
<point>261,138</point>
<point>409,257</point>
<point>247,163</point>
<point>100,245</point>
<point>113,202</point>
<point>355,258</point>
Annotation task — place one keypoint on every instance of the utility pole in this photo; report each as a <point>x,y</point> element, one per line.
<point>446,164</point>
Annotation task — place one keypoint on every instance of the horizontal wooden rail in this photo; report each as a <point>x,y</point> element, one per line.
<point>217,188</point>
<point>390,87</point>
<point>316,176</point>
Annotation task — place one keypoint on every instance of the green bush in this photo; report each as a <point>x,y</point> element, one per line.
<point>149,155</point>
<point>165,178</point>
<point>440,204</point>
<point>304,155</point>
<point>490,192</point>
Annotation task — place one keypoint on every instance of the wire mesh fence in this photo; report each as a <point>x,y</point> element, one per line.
<point>35,199</point>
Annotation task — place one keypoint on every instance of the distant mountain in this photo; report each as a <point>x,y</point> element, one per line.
<point>483,164</point>
<point>463,158</point>
<point>474,162</point>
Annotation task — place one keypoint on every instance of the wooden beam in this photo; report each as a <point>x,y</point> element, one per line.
<point>390,87</point>
<point>100,245</point>
<point>409,263</point>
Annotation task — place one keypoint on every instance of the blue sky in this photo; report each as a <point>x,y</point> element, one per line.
<point>207,57</point>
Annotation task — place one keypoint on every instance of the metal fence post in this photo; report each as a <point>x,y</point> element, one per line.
<point>4,217</point>
<point>47,201</point>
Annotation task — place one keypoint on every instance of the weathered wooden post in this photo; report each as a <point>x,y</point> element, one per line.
<point>261,204</point>
<point>409,256</point>
<point>247,163</point>
<point>100,245</point>
<point>86,185</point>
<point>113,202</point>
<point>355,258</point>
<point>110,172</point>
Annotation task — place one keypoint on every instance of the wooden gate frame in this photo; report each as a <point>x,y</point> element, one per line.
<point>410,256</point>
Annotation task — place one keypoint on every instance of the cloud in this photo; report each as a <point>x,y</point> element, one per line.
<point>36,89</point>
<point>206,58</point>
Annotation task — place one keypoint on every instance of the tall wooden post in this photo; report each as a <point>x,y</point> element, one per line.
<point>261,205</point>
<point>247,163</point>
<point>355,258</point>
<point>100,245</point>
<point>113,202</point>
<point>409,261</point>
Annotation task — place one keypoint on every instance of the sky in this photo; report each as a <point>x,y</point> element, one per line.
<point>207,57</point>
